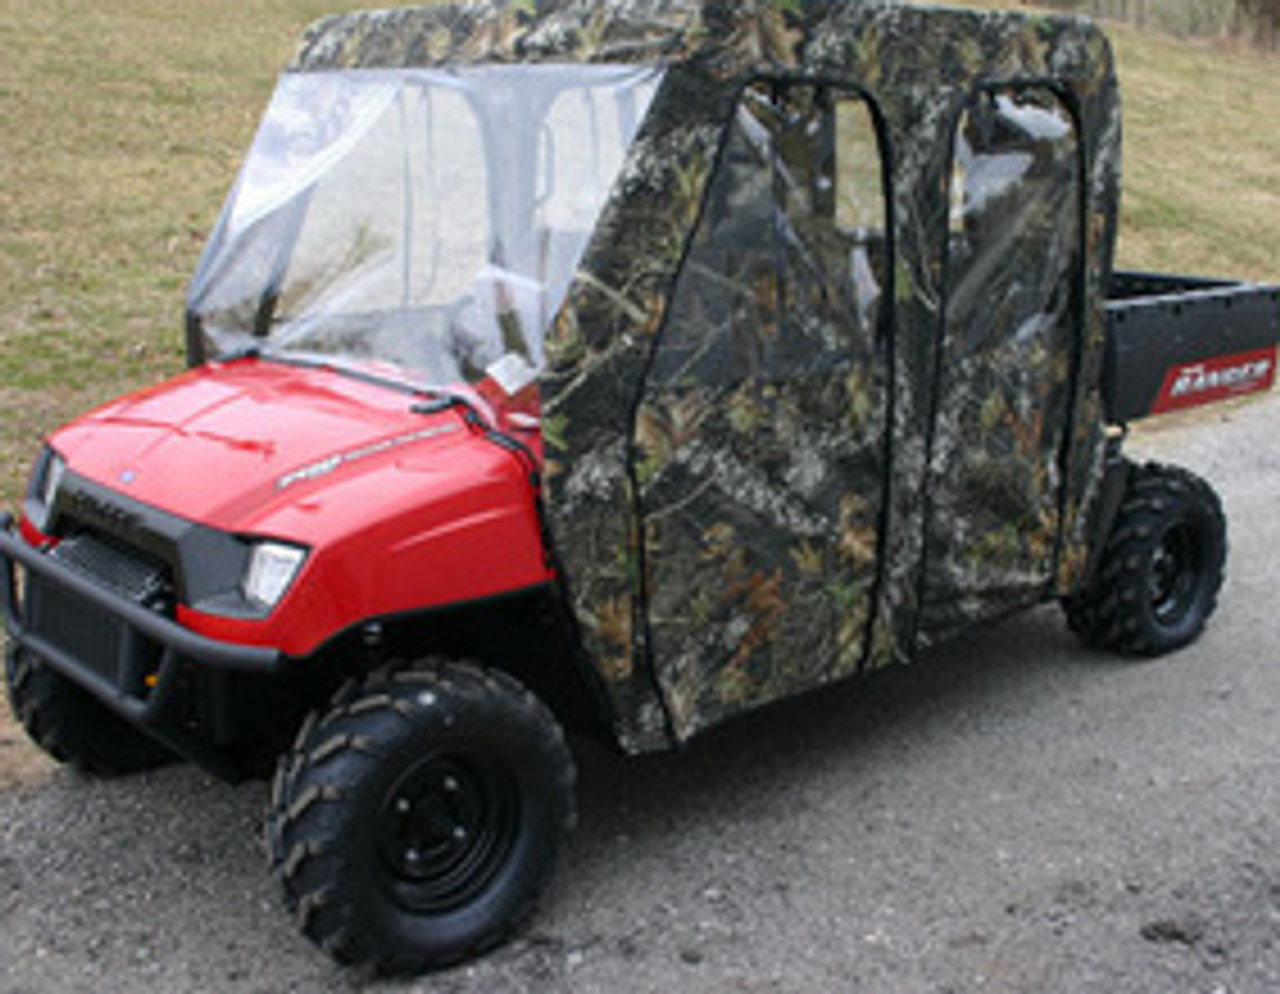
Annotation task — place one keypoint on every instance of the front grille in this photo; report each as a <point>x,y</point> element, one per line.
<point>80,629</point>
<point>118,569</point>
<point>93,637</point>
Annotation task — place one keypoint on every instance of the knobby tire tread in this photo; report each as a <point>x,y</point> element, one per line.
<point>1110,614</point>
<point>73,727</point>
<point>332,759</point>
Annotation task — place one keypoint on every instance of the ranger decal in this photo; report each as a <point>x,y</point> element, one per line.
<point>1197,383</point>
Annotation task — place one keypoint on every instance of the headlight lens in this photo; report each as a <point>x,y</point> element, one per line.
<point>42,491</point>
<point>272,567</point>
<point>47,489</point>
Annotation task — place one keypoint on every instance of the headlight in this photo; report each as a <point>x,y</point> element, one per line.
<point>54,467</point>
<point>272,567</point>
<point>46,478</point>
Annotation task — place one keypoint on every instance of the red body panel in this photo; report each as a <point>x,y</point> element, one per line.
<point>400,511</point>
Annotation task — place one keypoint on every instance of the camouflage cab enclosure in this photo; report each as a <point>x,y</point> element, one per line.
<point>822,384</point>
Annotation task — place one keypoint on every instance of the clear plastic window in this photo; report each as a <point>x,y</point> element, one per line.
<point>1014,219</point>
<point>423,223</point>
<point>788,262</point>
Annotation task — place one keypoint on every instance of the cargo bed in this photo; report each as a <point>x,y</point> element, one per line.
<point>1175,342</point>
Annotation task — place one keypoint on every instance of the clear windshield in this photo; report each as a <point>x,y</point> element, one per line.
<point>425,222</point>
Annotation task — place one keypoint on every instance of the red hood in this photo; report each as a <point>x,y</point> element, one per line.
<point>225,443</point>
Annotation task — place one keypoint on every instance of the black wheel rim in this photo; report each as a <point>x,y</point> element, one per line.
<point>1175,572</point>
<point>445,830</point>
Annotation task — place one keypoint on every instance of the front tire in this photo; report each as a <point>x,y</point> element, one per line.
<point>1160,571</point>
<point>71,725</point>
<point>415,822</point>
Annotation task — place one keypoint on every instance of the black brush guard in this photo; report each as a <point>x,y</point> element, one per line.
<point>128,655</point>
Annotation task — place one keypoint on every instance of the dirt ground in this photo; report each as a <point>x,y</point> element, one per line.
<point>19,762</point>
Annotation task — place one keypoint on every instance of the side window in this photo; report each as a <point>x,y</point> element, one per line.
<point>1014,219</point>
<point>581,144</point>
<point>788,263</point>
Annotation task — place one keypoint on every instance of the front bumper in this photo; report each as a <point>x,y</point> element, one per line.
<point>142,676</point>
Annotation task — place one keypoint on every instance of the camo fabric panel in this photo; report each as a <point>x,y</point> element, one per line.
<point>600,349</point>
<point>1012,314</point>
<point>621,31</point>
<point>920,67</point>
<point>760,441</point>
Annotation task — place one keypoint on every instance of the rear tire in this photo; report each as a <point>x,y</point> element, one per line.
<point>71,725</point>
<point>1158,577</point>
<point>417,820</point>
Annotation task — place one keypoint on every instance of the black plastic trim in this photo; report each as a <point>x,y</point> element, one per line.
<point>177,640</point>
<point>207,564</point>
<point>1115,482</point>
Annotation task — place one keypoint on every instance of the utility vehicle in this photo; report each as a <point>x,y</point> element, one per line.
<point>625,366</point>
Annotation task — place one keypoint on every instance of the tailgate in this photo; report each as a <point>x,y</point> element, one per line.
<point>1175,342</point>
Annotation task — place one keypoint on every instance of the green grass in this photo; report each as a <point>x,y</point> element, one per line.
<point>1202,158</point>
<point>122,125</point>
<point>121,128</point>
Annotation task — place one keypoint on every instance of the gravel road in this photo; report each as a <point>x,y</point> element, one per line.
<point>1017,815</point>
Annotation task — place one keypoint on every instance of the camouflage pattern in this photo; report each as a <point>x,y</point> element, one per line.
<point>1012,281</point>
<point>760,438</point>
<point>728,541</point>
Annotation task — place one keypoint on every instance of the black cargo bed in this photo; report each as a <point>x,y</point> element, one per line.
<point>1175,342</point>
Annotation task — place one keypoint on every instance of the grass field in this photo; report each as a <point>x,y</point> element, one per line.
<point>122,125</point>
